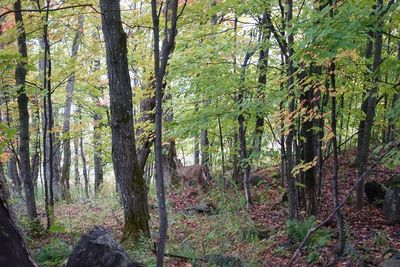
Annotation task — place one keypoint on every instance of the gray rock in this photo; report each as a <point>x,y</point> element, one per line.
<point>392,262</point>
<point>394,181</point>
<point>375,192</point>
<point>205,208</point>
<point>99,248</point>
<point>391,205</point>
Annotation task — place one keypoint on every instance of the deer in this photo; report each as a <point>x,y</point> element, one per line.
<point>196,172</point>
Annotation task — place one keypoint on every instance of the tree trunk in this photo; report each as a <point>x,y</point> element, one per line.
<point>12,172</point>
<point>24,158</point>
<point>392,121</point>
<point>13,250</point>
<point>262,81</point>
<point>126,166</point>
<point>84,168</point>
<point>342,236</point>
<point>146,136</point>
<point>76,164</point>
<point>56,163</point>
<point>65,175</point>
<point>369,107</point>
<point>289,139</point>
<point>245,162</point>
<point>45,69</point>
<point>196,153</point>
<point>307,145</point>
<point>221,143</point>
<point>204,148</point>
<point>97,156</point>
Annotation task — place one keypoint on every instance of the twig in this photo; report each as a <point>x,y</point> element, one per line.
<point>314,229</point>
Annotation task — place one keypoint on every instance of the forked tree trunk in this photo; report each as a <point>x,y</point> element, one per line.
<point>126,166</point>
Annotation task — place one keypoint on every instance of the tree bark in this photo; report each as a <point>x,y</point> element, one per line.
<point>160,66</point>
<point>76,164</point>
<point>65,175</point>
<point>196,153</point>
<point>13,250</point>
<point>97,156</point>
<point>245,162</point>
<point>84,168</point>
<point>342,236</point>
<point>146,137</point>
<point>126,166</point>
<point>12,172</point>
<point>262,81</point>
<point>24,157</point>
<point>289,139</point>
<point>369,106</point>
<point>20,76</point>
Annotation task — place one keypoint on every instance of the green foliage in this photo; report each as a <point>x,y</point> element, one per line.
<point>381,238</point>
<point>53,254</point>
<point>141,251</point>
<point>298,230</point>
<point>57,228</point>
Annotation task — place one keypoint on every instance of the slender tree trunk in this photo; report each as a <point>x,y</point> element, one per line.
<point>160,66</point>
<point>262,81</point>
<point>245,162</point>
<point>146,137</point>
<point>76,164</point>
<point>204,147</point>
<point>84,168</point>
<point>289,139</point>
<point>97,156</point>
<point>221,142</point>
<point>56,161</point>
<point>36,157</point>
<point>65,175</point>
<point>47,124</point>
<point>392,121</point>
<point>369,106</point>
<point>235,151</point>
<point>342,237</point>
<point>126,166</point>
<point>244,159</point>
<point>12,172</point>
<point>196,150</point>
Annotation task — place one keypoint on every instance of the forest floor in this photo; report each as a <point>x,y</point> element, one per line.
<point>258,236</point>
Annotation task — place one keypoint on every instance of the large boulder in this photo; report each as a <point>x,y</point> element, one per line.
<point>391,204</point>
<point>99,248</point>
<point>375,192</point>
